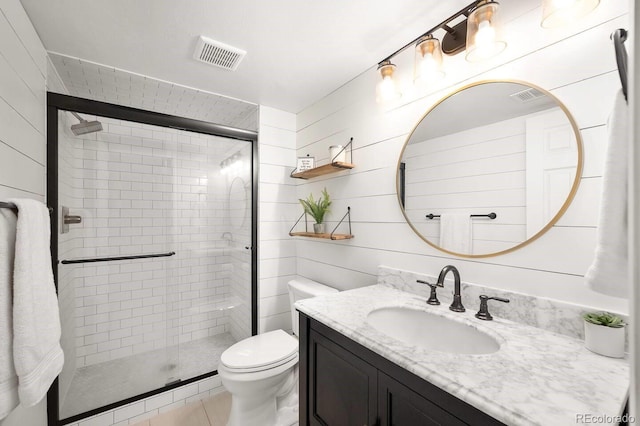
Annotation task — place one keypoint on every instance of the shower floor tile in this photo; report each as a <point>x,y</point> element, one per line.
<point>97,385</point>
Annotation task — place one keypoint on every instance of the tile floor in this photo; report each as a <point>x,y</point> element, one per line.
<point>213,411</point>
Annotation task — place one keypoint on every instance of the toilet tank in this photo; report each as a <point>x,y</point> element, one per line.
<point>304,288</point>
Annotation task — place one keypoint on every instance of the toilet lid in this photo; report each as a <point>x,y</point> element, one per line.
<point>260,351</point>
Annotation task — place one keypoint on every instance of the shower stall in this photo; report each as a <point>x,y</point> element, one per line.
<point>153,236</point>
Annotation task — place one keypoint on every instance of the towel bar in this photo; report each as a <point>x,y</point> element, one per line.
<point>491,215</point>
<point>619,36</point>
<point>11,206</point>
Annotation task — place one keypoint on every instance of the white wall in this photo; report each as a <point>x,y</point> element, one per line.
<point>278,211</point>
<point>475,171</point>
<point>576,64</point>
<point>23,73</point>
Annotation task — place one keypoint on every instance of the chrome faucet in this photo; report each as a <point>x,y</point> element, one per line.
<point>456,305</point>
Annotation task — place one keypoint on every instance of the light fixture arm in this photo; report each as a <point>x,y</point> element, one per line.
<point>464,11</point>
<point>448,29</point>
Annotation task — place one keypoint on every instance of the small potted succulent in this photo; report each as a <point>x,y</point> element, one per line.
<point>317,209</point>
<point>604,334</point>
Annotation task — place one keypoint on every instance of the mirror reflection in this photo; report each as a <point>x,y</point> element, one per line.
<point>238,202</point>
<point>489,168</point>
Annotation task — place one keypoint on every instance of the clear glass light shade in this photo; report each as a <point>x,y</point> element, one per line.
<point>483,33</point>
<point>556,13</point>
<point>387,88</point>
<point>428,64</point>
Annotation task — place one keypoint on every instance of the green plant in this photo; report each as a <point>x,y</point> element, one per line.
<point>317,209</point>
<point>604,318</point>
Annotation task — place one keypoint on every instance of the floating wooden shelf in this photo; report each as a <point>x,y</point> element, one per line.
<point>325,235</point>
<point>328,236</point>
<point>323,170</point>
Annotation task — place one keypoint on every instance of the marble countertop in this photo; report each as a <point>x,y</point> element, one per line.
<point>536,377</point>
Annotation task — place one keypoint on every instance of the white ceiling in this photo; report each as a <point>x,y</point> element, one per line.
<point>298,51</point>
<point>477,106</point>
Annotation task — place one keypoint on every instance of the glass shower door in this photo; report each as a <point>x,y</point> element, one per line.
<point>214,230</point>
<point>155,280</point>
<point>115,264</point>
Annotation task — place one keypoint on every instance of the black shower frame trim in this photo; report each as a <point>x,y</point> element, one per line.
<point>57,102</point>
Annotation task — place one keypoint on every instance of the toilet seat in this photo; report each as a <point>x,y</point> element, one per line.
<point>260,352</point>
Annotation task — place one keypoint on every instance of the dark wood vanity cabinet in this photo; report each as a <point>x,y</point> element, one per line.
<point>343,387</point>
<point>343,383</point>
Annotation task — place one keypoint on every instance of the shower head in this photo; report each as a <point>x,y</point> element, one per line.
<point>84,126</point>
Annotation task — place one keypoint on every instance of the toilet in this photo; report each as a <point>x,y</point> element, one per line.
<point>260,371</point>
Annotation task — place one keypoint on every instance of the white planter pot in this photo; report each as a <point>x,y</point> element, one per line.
<point>318,228</point>
<point>603,340</point>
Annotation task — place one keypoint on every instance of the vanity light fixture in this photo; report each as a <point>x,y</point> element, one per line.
<point>387,88</point>
<point>231,164</point>
<point>483,35</point>
<point>482,40</point>
<point>556,13</point>
<point>428,63</point>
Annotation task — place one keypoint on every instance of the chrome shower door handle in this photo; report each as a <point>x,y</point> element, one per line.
<point>71,220</point>
<point>68,219</point>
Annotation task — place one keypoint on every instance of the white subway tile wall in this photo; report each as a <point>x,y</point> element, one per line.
<point>104,83</point>
<point>144,189</point>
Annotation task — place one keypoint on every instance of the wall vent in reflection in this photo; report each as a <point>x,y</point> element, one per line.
<point>527,95</point>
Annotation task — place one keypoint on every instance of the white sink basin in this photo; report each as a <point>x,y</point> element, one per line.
<point>433,332</point>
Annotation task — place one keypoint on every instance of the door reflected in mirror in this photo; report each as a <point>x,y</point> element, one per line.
<point>489,168</point>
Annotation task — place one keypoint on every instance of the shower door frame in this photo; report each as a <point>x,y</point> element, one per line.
<point>58,102</point>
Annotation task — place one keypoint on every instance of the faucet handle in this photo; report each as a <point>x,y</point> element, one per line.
<point>433,297</point>
<point>483,313</point>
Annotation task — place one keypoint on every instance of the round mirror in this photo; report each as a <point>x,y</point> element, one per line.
<point>238,203</point>
<point>489,168</point>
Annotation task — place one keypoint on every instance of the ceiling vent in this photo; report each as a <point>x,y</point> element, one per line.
<point>219,54</point>
<point>527,95</point>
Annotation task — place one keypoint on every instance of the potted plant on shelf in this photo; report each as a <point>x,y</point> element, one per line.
<point>317,209</point>
<point>604,334</point>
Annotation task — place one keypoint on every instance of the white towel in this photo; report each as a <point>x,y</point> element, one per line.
<point>608,272</point>
<point>455,232</point>
<point>8,378</point>
<point>37,355</point>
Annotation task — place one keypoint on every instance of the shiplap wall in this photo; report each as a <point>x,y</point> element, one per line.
<point>278,210</point>
<point>575,63</point>
<point>475,171</point>
<point>23,74</point>
<point>23,71</point>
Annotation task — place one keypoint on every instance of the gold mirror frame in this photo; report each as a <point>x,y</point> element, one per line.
<point>553,220</point>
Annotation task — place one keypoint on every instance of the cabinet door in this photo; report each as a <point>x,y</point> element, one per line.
<point>342,387</point>
<point>401,406</point>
